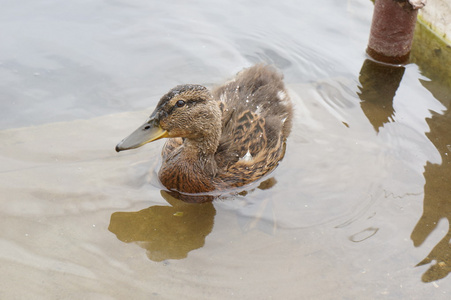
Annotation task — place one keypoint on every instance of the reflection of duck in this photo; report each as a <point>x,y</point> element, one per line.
<point>166,232</point>
<point>223,139</point>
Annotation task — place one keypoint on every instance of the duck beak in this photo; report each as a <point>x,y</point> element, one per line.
<point>146,133</point>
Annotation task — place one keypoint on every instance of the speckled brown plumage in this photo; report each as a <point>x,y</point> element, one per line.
<point>222,139</point>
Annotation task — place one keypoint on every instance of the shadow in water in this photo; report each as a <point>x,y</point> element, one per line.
<point>433,58</point>
<point>379,83</point>
<point>166,232</point>
<point>437,199</point>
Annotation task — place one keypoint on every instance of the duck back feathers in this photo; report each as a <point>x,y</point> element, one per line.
<point>256,120</point>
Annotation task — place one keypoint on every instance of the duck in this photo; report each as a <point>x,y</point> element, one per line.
<point>221,139</point>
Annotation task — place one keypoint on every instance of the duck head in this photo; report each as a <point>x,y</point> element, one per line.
<point>187,111</point>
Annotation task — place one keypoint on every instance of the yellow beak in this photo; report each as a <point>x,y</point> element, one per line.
<point>146,133</point>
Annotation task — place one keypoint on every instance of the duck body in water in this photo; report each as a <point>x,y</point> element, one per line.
<point>223,139</point>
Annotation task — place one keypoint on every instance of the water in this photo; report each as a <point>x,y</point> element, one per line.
<point>358,208</point>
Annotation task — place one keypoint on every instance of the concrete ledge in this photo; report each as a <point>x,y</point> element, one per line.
<point>437,16</point>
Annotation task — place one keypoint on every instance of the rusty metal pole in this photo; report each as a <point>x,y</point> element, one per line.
<point>392,30</point>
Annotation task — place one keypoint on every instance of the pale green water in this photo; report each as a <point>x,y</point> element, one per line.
<point>361,197</point>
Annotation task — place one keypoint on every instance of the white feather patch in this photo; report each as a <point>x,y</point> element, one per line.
<point>247,156</point>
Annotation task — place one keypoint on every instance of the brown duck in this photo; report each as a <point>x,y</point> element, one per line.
<point>222,139</point>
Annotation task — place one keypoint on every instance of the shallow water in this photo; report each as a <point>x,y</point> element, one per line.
<point>360,207</point>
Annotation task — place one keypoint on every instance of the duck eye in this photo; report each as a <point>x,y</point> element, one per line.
<point>180,103</point>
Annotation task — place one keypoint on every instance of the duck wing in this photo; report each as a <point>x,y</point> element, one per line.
<point>256,120</point>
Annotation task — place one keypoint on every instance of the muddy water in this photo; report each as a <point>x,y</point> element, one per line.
<point>358,209</point>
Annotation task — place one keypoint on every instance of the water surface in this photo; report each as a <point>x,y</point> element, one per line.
<point>358,209</point>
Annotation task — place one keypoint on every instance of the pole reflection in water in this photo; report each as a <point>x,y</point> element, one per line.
<point>166,232</point>
<point>379,83</point>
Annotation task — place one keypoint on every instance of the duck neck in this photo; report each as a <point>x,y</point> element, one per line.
<point>204,143</point>
<point>201,147</point>
<point>199,154</point>
<point>192,169</point>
